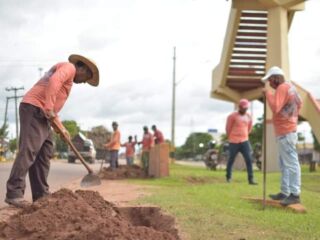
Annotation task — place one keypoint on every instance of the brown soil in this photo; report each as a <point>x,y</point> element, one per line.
<point>84,215</point>
<point>203,180</point>
<point>122,172</point>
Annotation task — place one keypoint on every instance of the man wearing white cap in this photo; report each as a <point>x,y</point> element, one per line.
<point>285,105</point>
<point>238,127</point>
<point>39,106</point>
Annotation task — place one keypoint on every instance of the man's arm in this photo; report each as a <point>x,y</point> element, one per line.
<point>250,124</point>
<point>229,124</point>
<point>278,100</point>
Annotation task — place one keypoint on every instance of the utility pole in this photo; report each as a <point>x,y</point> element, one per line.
<point>15,97</point>
<point>40,71</point>
<point>173,113</point>
<point>6,112</point>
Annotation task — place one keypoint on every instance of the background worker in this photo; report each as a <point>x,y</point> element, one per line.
<point>113,146</point>
<point>285,104</point>
<point>39,106</point>
<point>130,150</point>
<point>157,135</point>
<point>147,143</point>
<point>238,127</point>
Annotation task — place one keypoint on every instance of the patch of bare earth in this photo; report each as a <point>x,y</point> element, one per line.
<point>122,172</point>
<point>203,180</point>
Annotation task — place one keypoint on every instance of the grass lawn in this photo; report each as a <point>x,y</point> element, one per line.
<point>206,207</point>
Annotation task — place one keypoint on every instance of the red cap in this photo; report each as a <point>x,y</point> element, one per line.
<point>244,103</point>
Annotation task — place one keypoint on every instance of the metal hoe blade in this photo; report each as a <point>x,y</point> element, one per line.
<point>90,179</point>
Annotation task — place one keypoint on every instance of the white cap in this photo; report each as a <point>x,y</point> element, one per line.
<point>272,71</point>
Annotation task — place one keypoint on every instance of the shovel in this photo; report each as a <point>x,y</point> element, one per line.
<point>90,179</point>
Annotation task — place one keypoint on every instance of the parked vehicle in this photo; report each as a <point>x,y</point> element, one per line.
<point>85,147</point>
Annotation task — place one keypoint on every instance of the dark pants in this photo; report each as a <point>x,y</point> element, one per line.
<point>114,159</point>
<point>35,151</point>
<point>145,161</point>
<point>245,149</point>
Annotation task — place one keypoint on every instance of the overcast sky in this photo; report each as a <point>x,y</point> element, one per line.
<point>132,43</point>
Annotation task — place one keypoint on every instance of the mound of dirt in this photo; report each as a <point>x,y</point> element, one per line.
<point>203,180</point>
<point>122,172</point>
<point>86,215</point>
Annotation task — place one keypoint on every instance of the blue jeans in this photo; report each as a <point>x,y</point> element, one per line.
<point>129,161</point>
<point>113,159</point>
<point>245,149</point>
<point>289,164</point>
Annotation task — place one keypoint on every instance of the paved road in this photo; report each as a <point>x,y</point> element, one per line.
<point>60,174</point>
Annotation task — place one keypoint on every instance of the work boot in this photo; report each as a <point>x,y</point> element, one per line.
<point>252,182</point>
<point>17,202</point>
<point>278,197</point>
<point>228,180</point>
<point>292,199</point>
<point>38,196</point>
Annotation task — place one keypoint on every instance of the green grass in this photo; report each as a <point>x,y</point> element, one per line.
<point>206,207</point>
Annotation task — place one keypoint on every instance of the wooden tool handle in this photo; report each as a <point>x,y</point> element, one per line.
<point>68,141</point>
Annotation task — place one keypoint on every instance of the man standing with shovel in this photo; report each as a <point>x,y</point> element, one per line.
<point>38,108</point>
<point>285,104</point>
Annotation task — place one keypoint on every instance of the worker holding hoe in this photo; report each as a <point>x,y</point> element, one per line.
<point>285,104</point>
<point>238,127</point>
<point>113,146</point>
<point>38,108</point>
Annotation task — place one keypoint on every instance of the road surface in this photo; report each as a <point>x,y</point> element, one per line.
<point>61,173</point>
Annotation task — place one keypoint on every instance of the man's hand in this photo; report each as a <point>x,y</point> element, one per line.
<point>264,91</point>
<point>50,114</point>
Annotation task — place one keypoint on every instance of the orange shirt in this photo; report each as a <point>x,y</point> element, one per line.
<point>53,89</point>
<point>147,142</point>
<point>285,105</point>
<point>238,127</point>
<point>129,148</point>
<point>158,137</point>
<point>114,144</point>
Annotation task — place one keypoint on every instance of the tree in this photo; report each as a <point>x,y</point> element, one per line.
<point>316,144</point>
<point>4,131</point>
<point>13,145</point>
<point>73,130</point>
<point>196,143</point>
<point>99,135</point>
<point>256,134</point>
<point>72,127</point>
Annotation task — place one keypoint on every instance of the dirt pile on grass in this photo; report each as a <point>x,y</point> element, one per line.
<point>122,172</point>
<point>86,215</point>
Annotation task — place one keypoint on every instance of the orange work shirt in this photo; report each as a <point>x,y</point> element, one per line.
<point>238,127</point>
<point>158,137</point>
<point>147,142</point>
<point>285,105</point>
<point>129,148</point>
<point>114,144</point>
<point>53,89</point>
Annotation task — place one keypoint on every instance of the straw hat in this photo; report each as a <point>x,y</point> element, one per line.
<point>94,81</point>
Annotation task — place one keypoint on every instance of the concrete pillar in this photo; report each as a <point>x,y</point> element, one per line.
<point>277,55</point>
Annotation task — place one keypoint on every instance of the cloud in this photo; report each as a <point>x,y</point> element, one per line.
<point>132,44</point>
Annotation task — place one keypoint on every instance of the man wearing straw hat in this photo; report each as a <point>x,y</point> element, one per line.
<point>238,127</point>
<point>39,106</point>
<point>285,105</point>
